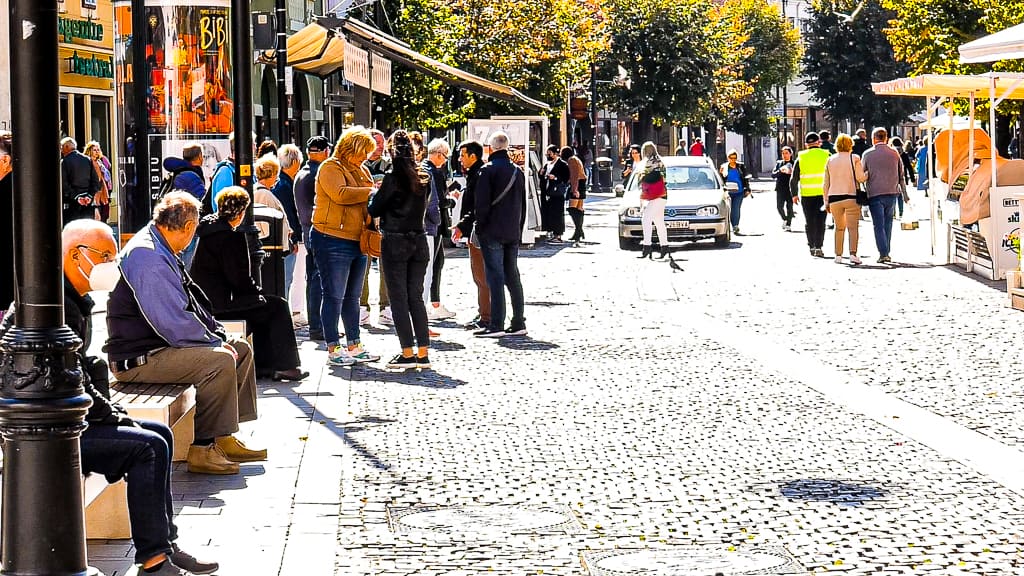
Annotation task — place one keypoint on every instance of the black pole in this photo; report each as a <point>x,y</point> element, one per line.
<point>282,57</point>
<point>241,62</point>
<point>593,114</point>
<point>137,210</point>
<point>42,404</point>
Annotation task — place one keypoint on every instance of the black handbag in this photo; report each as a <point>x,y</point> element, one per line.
<point>862,194</point>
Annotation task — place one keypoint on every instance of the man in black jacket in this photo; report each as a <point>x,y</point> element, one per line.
<point>79,181</point>
<point>470,154</point>
<point>113,444</point>
<point>500,201</point>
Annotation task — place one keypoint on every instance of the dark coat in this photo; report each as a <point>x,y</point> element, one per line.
<point>400,208</point>
<point>500,218</point>
<point>221,267</point>
<point>78,178</point>
<point>467,212</point>
<point>284,191</point>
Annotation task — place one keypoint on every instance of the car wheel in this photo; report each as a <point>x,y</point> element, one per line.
<point>724,240</point>
<point>627,244</point>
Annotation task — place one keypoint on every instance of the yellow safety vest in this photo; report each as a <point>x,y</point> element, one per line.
<point>812,171</point>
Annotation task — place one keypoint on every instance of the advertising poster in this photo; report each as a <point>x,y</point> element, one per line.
<point>519,143</point>
<point>1006,234</point>
<point>187,95</point>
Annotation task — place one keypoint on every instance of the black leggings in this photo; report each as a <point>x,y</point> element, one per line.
<point>784,203</point>
<point>435,283</point>
<point>577,221</point>
<point>404,257</point>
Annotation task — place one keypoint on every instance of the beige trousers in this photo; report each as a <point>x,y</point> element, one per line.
<point>225,389</point>
<point>846,214</point>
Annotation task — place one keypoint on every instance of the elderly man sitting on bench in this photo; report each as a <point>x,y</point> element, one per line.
<point>160,330</point>
<point>113,444</point>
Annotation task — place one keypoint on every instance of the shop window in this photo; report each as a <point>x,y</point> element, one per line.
<point>100,123</point>
<point>78,130</point>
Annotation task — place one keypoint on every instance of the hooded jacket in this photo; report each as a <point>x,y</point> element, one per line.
<point>222,267</point>
<point>189,178</point>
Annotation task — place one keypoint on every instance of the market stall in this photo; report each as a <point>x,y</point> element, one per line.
<point>967,164</point>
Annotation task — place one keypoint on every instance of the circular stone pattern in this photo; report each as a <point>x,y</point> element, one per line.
<point>677,562</point>
<point>483,519</point>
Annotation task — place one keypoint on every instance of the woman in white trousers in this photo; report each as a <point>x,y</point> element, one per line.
<point>654,196</point>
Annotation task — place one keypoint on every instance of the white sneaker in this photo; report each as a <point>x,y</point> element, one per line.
<point>854,259</point>
<point>298,320</point>
<point>787,227</point>
<point>364,317</point>
<point>439,312</point>
<point>839,259</point>
<point>385,317</point>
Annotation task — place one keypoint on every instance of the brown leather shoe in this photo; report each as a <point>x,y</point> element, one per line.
<point>237,452</point>
<point>209,460</point>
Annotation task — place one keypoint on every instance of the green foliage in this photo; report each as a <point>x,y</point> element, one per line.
<point>842,59</point>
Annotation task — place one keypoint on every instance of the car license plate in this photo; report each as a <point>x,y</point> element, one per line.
<point>678,224</point>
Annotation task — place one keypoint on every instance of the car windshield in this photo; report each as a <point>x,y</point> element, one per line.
<point>690,178</point>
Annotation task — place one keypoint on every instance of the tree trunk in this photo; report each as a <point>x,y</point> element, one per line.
<point>643,127</point>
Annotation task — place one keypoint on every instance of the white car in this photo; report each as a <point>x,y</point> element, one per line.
<point>697,209</point>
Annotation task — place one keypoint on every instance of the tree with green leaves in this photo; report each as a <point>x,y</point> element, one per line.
<point>845,55</point>
<point>671,55</point>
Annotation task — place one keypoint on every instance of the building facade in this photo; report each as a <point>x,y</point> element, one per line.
<point>86,34</point>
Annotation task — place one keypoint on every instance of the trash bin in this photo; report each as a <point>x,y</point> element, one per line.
<point>270,223</point>
<point>604,174</point>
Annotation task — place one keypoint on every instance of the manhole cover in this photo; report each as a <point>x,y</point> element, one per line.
<point>691,560</point>
<point>484,519</point>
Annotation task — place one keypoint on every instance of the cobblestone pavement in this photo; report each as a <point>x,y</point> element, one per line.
<point>761,410</point>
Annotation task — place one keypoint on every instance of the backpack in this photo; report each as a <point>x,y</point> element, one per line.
<point>208,198</point>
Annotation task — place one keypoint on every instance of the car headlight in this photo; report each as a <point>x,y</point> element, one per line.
<point>707,211</point>
<point>633,212</point>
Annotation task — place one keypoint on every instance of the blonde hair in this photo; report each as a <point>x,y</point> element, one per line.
<point>266,167</point>
<point>232,201</point>
<point>844,143</point>
<point>355,145</point>
<point>90,146</point>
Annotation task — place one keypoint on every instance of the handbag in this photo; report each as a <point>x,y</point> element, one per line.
<point>369,242</point>
<point>862,194</point>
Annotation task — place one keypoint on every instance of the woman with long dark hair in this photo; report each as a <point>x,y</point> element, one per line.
<point>400,204</point>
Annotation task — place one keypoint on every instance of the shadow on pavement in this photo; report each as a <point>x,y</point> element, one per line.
<point>839,492</point>
<point>422,378</point>
<point>444,346</point>
<point>999,285</point>
<point>520,343</point>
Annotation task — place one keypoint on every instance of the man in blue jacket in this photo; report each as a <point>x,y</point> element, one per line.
<point>160,330</point>
<point>187,174</point>
<point>500,215</point>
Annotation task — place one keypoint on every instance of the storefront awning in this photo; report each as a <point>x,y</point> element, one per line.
<point>319,49</point>
<point>1003,45</point>
<point>1008,85</point>
<point>316,50</point>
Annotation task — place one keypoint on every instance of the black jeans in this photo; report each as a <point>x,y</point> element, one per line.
<point>274,346</point>
<point>435,282</point>
<point>143,455</point>
<point>501,264</point>
<point>405,257</point>
<point>784,204</point>
<point>815,220</point>
<point>314,292</point>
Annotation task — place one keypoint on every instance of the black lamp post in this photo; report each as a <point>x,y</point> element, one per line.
<point>42,403</point>
<point>241,63</point>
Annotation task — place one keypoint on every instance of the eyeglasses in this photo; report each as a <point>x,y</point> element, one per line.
<point>106,256</point>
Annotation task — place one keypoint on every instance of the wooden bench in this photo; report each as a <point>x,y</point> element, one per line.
<point>969,250</point>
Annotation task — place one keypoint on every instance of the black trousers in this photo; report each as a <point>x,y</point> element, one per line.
<point>435,282</point>
<point>784,204</point>
<point>815,220</point>
<point>273,346</point>
<point>404,258</point>
<point>553,214</point>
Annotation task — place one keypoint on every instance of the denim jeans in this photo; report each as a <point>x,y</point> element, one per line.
<point>289,273</point>
<point>341,265</point>
<point>405,258</point>
<point>883,210</point>
<point>143,455</point>
<point>735,202</point>
<point>501,266</point>
<point>314,292</point>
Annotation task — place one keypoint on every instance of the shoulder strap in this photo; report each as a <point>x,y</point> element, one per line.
<point>508,187</point>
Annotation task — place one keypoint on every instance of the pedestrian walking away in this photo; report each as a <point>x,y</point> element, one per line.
<point>807,188</point>
<point>401,205</point>
<point>577,192</point>
<point>343,186</point>
<point>500,203</point>
<point>737,183</point>
<point>782,173</point>
<point>843,175</point>
<point>653,197</point>
<point>885,170</point>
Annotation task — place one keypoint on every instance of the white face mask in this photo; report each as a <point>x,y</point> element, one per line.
<point>104,276</point>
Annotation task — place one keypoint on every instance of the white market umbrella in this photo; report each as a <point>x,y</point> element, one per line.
<point>1003,45</point>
